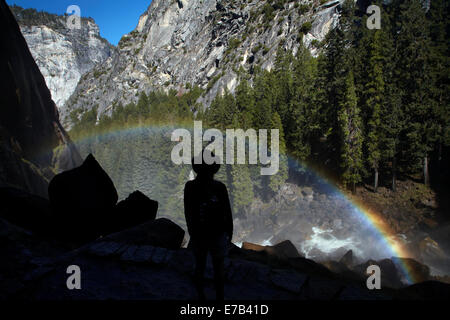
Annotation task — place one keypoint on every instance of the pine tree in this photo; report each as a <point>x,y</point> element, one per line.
<point>413,45</point>
<point>245,102</point>
<point>284,84</point>
<point>222,111</point>
<point>392,116</point>
<point>351,135</point>
<point>242,191</point>
<point>242,187</point>
<point>374,93</point>
<point>303,121</point>
<point>143,108</point>
<point>278,179</point>
<point>440,64</point>
<point>264,100</point>
<point>334,67</point>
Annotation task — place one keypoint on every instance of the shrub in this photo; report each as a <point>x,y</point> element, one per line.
<point>306,27</point>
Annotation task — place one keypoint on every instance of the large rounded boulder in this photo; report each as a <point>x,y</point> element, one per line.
<point>136,209</point>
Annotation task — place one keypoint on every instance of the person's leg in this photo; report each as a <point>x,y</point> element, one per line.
<point>218,258</point>
<point>200,264</point>
<point>219,274</point>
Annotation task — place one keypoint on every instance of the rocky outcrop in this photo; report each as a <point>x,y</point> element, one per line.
<point>25,210</point>
<point>160,233</point>
<point>283,249</point>
<point>29,121</point>
<point>36,269</point>
<point>63,55</point>
<point>83,200</point>
<point>147,261</point>
<point>141,207</point>
<point>202,43</point>
<point>83,208</point>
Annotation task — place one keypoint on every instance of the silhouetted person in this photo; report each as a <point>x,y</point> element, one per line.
<point>209,222</point>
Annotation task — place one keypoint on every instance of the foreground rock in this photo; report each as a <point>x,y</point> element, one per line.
<point>25,210</point>
<point>82,199</point>
<point>160,233</point>
<point>118,267</point>
<point>134,210</point>
<point>284,249</point>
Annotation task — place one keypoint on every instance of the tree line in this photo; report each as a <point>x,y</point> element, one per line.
<point>372,106</point>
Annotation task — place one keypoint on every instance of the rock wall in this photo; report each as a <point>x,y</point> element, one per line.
<point>29,120</point>
<point>202,43</point>
<point>63,55</point>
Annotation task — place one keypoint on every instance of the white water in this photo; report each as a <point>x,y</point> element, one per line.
<point>325,241</point>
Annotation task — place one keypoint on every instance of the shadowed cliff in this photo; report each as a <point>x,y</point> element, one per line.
<point>29,121</point>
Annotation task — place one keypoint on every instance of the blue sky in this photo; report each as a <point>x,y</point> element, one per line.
<point>115,18</point>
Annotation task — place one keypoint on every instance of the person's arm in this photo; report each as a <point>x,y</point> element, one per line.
<point>228,214</point>
<point>188,210</point>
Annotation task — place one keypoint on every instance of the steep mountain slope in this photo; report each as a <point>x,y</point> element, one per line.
<point>63,55</point>
<point>29,121</point>
<point>202,43</point>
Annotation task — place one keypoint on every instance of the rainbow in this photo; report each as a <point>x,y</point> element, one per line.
<point>386,235</point>
<point>378,227</point>
<point>371,219</point>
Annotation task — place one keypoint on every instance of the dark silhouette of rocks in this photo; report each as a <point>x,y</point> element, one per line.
<point>112,269</point>
<point>347,259</point>
<point>29,120</point>
<point>284,249</point>
<point>428,290</point>
<point>419,271</point>
<point>85,187</point>
<point>146,262</point>
<point>25,210</point>
<point>287,249</point>
<point>83,201</point>
<point>137,208</point>
<point>159,233</point>
<point>83,205</point>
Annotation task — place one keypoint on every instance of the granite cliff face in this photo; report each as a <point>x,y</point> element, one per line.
<point>63,55</point>
<point>29,120</point>
<point>202,43</point>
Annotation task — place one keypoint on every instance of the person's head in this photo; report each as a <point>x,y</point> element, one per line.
<point>202,168</point>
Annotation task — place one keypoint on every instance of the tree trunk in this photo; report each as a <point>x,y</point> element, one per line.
<point>394,175</point>
<point>439,164</point>
<point>426,174</point>
<point>375,184</point>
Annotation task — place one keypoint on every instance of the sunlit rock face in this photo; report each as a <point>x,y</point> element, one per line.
<point>63,55</point>
<point>202,43</point>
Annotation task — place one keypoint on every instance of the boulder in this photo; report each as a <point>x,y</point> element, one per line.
<point>25,210</point>
<point>134,210</point>
<point>390,276</point>
<point>347,259</point>
<point>281,250</point>
<point>284,248</point>
<point>418,271</point>
<point>158,233</point>
<point>82,200</point>
<point>343,271</point>
<point>253,246</point>
<point>428,290</point>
